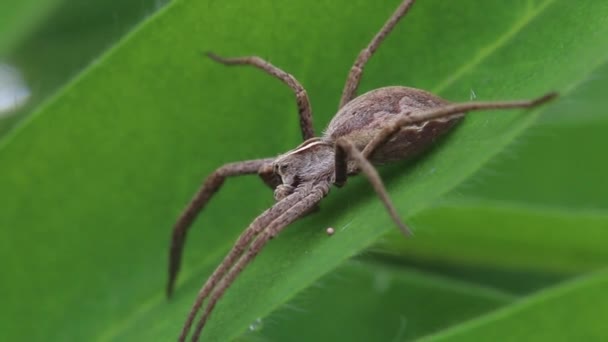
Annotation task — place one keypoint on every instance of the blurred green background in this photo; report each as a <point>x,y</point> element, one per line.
<point>110,119</point>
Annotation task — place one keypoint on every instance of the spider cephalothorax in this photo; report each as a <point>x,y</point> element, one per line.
<point>380,126</point>
<point>311,161</point>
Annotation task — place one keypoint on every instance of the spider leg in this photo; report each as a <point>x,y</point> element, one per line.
<point>235,253</point>
<point>261,222</point>
<point>347,150</point>
<point>354,76</point>
<point>211,185</point>
<point>312,196</point>
<point>447,110</point>
<point>304,107</point>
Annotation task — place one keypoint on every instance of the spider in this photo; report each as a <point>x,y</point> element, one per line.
<point>383,125</point>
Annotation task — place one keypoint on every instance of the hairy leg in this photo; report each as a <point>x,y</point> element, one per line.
<point>304,107</point>
<point>354,76</point>
<point>447,110</point>
<point>211,185</point>
<point>235,253</point>
<point>305,199</point>
<point>347,150</point>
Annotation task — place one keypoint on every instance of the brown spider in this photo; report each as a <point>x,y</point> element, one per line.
<point>380,126</point>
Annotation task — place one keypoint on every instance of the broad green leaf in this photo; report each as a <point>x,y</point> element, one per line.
<point>573,311</point>
<point>517,248</point>
<point>92,182</point>
<point>485,233</point>
<point>365,302</point>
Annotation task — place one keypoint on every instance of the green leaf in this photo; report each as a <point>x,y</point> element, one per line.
<point>483,234</point>
<point>392,304</point>
<point>92,183</point>
<point>573,311</point>
<point>518,248</point>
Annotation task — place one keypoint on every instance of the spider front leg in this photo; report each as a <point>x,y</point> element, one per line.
<point>210,186</point>
<point>346,150</point>
<point>304,107</point>
<point>354,76</point>
<point>262,229</point>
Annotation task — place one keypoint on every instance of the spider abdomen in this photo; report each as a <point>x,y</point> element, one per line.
<point>365,116</point>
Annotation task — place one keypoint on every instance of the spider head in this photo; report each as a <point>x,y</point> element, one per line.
<point>312,161</point>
